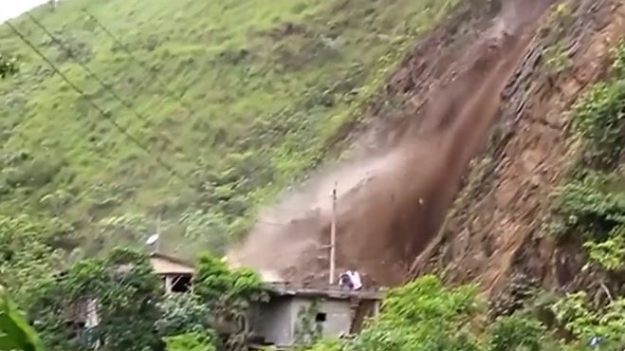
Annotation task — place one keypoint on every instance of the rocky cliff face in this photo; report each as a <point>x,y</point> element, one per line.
<point>496,229</point>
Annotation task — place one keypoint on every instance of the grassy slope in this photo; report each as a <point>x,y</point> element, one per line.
<point>263,85</point>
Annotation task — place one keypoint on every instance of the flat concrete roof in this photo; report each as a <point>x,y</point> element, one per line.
<point>336,293</point>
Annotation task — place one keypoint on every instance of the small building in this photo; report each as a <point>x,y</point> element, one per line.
<point>175,273</point>
<point>294,315</point>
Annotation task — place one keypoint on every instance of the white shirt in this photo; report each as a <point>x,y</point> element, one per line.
<point>355,278</point>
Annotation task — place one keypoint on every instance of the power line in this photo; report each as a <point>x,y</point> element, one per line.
<point>95,76</point>
<point>82,94</point>
<point>100,110</point>
<point>88,70</point>
<point>143,65</point>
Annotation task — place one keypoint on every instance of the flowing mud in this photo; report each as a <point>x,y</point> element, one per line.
<point>390,205</point>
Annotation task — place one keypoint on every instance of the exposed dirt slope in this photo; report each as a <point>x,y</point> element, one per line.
<point>495,228</point>
<point>392,204</point>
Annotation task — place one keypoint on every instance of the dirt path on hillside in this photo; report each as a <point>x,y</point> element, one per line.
<point>390,205</point>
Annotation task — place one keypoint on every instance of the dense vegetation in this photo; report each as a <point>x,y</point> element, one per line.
<point>231,99</point>
<point>590,208</point>
<point>132,311</point>
<point>424,315</point>
<point>591,205</point>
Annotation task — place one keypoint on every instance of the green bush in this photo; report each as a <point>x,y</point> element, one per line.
<point>423,315</point>
<point>586,207</point>
<point>426,299</point>
<point>598,118</point>
<point>182,314</point>
<point>127,295</point>
<point>576,314</point>
<point>516,333</point>
<point>214,282</point>
<point>190,342</point>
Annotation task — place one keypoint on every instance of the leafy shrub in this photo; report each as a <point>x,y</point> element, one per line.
<point>327,345</point>
<point>619,60</point>
<point>426,299</point>
<point>516,332</point>
<point>229,294</point>
<point>121,285</point>
<point>420,316</point>
<point>585,207</point>
<point>576,314</point>
<point>214,281</point>
<point>182,314</point>
<point>25,257</point>
<point>599,119</point>
<point>557,58</point>
<point>610,253</point>
<point>190,342</point>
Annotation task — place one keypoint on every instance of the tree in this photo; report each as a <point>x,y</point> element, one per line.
<point>182,314</point>
<point>228,293</point>
<point>25,256</point>
<point>126,292</point>
<point>423,315</point>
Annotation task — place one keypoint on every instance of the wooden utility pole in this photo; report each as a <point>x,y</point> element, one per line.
<point>333,237</point>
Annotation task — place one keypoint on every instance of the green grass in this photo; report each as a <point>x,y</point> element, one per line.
<point>263,86</point>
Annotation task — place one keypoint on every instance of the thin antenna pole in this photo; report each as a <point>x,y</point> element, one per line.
<point>333,237</point>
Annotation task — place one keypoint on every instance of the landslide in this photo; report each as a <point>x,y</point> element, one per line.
<point>496,233</point>
<point>206,110</point>
<point>393,196</point>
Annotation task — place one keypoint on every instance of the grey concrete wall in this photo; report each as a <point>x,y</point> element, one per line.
<point>278,320</point>
<point>338,315</point>
<point>274,321</point>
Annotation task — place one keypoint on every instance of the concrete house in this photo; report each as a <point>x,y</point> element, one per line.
<point>175,273</point>
<point>294,315</point>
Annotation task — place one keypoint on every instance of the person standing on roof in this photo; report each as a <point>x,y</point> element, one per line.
<point>350,280</point>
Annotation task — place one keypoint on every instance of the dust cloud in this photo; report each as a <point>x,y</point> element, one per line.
<point>391,204</point>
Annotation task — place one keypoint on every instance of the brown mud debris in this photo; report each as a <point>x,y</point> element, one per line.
<point>393,202</point>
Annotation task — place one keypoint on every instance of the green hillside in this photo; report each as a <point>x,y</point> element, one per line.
<point>238,99</point>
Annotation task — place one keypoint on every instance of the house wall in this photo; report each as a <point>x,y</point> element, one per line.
<point>279,320</point>
<point>338,315</point>
<point>273,321</point>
